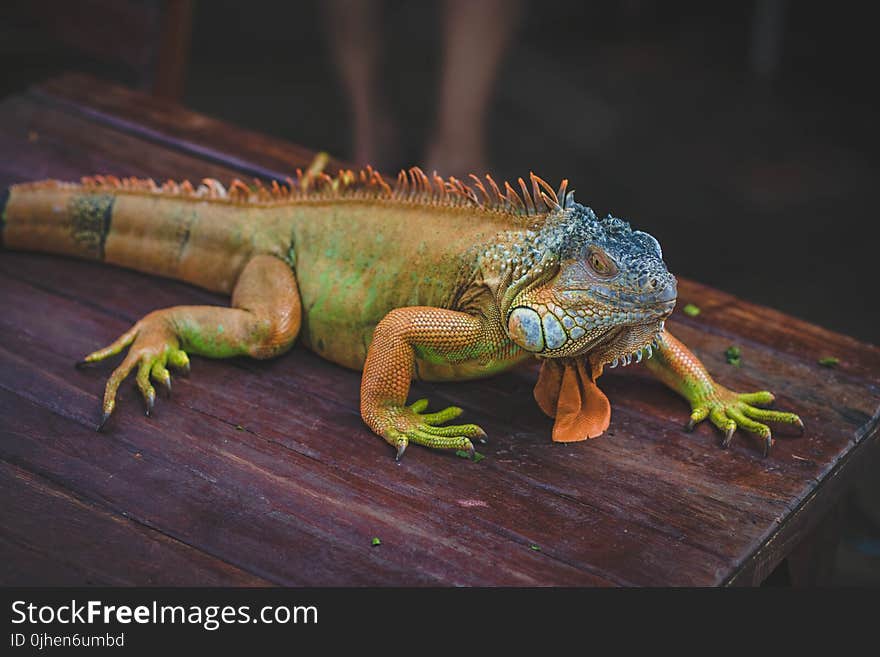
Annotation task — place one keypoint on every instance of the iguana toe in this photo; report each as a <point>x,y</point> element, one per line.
<point>728,437</point>
<point>161,376</point>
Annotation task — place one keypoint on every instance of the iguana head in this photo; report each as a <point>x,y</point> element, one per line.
<point>589,287</point>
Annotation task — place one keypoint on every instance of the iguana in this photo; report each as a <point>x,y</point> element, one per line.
<point>422,277</point>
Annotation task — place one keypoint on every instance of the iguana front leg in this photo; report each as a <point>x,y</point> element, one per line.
<point>263,322</point>
<point>676,366</point>
<point>432,333</point>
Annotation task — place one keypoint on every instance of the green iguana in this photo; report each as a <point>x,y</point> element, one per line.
<point>425,277</point>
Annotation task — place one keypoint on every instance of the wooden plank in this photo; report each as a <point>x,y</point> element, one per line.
<point>29,565</point>
<point>263,517</point>
<point>692,508</point>
<point>333,432</point>
<point>158,120</point>
<point>647,504</point>
<point>52,143</point>
<point>809,515</point>
<point>84,545</point>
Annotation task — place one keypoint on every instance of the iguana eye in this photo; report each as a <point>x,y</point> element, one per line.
<point>601,263</point>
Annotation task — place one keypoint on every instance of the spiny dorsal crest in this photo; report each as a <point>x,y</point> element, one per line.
<point>411,185</point>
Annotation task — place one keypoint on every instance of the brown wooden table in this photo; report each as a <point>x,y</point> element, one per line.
<point>262,472</point>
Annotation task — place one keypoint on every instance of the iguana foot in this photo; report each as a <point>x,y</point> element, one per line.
<point>153,347</point>
<point>729,410</point>
<point>677,367</point>
<point>406,424</point>
<point>263,323</point>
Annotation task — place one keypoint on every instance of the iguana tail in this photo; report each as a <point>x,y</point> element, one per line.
<point>179,231</point>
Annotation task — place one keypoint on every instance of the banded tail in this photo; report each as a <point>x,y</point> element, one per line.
<point>181,236</point>
<point>56,217</point>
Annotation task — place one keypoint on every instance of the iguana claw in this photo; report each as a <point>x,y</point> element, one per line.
<point>104,418</point>
<point>149,402</point>
<point>728,437</point>
<point>401,448</point>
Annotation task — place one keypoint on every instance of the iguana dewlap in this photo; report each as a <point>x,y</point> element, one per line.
<point>567,391</point>
<point>423,277</point>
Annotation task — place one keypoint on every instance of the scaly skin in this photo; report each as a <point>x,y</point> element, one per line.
<point>428,278</point>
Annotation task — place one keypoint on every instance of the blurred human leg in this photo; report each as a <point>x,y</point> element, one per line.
<point>354,27</point>
<point>476,35</point>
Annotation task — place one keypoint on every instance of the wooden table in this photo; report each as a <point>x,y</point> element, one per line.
<point>262,472</point>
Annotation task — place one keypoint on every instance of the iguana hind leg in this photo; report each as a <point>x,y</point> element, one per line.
<point>432,333</point>
<point>263,322</point>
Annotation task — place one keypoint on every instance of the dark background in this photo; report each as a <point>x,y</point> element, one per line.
<point>757,173</point>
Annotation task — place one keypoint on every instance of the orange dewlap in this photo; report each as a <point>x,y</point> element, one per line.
<point>567,392</point>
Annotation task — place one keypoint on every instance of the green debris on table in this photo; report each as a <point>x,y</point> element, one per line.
<point>535,548</point>
<point>829,361</point>
<point>464,455</point>
<point>733,356</point>
<point>691,310</point>
<point>376,541</point>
